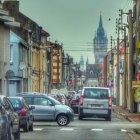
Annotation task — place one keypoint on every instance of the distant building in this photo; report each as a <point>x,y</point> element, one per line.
<point>92,74</point>
<point>100,43</point>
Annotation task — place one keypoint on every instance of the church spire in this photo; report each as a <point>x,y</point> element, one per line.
<point>100,30</point>
<point>100,22</point>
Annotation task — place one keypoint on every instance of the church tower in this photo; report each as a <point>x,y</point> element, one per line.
<point>100,43</point>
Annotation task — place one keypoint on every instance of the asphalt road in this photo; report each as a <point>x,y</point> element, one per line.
<point>86,129</point>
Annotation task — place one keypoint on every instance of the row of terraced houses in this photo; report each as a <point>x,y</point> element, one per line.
<point>28,60</point>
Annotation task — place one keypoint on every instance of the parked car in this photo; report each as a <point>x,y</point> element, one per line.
<point>74,103</point>
<point>24,112</point>
<point>71,93</point>
<point>95,102</point>
<point>47,108</point>
<point>5,131</point>
<point>11,124</point>
<point>60,97</point>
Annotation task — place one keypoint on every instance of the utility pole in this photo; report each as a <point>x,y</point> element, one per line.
<point>125,70</point>
<point>130,62</point>
<point>118,74</point>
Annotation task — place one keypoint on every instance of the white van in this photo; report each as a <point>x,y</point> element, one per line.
<point>95,102</point>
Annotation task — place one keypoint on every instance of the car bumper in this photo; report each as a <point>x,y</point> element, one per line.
<point>71,116</point>
<point>95,112</point>
<point>23,121</point>
<point>75,108</point>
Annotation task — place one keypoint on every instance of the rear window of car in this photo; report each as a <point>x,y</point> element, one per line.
<point>16,103</point>
<point>93,93</point>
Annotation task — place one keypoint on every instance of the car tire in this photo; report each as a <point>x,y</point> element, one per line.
<point>17,135</point>
<point>31,128</point>
<point>108,118</point>
<point>62,120</point>
<point>26,127</point>
<point>80,117</point>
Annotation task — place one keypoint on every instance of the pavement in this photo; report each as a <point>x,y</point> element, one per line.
<point>132,117</point>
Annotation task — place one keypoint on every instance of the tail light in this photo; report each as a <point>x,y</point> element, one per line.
<point>81,100</point>
<point>1,109</point>
<point>74,102</point>
<point>110,102</point>
<point>22,112</point>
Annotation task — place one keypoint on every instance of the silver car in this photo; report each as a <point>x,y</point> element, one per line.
<point>95,102</point>
<point>47,108</point>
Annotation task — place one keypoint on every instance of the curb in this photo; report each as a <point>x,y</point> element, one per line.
<point>134,131</point>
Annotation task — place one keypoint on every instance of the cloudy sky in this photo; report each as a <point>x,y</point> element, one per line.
<point>74,22</point>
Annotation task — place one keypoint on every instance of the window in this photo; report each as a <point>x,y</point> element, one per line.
<point>91,72</point>
<point>96,93</point>
<point>41,101</point>
<point>11,54</point>
<point>28,100</point>
<point>16,103</point>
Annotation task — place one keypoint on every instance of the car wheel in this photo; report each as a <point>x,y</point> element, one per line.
<point>26,127</point>
<point>80,118</point>
<point>31,127</point>
<point>108,118</point>
<point>62,120</point>
<point>17,135</point>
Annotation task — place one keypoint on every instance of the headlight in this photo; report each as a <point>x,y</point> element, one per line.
<point>69,109</point>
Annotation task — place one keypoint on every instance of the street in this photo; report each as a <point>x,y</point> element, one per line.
<point>89,129</point>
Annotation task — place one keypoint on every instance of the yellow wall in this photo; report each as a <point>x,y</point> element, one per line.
<point>40,66</point>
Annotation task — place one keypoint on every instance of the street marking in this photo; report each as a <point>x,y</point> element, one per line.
<point>66,129</point>
<point>38,129</point>
<point>123,130</point>
<point>96,129</point>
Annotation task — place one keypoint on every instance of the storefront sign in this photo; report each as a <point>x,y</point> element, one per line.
<point>138,45</point>
<point>135,84</point>
<point>137,96</point>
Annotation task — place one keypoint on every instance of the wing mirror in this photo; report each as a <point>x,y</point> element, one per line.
<point>32,107</point>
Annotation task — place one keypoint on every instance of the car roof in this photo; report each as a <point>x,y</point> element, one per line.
<point>16,97</point>
<point>97,87</point>
<point>30,94</point>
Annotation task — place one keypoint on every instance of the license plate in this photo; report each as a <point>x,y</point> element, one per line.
<point>94,105</point>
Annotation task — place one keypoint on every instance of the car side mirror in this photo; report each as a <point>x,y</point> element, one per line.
<point>51,104</point>
<point>32,107</point>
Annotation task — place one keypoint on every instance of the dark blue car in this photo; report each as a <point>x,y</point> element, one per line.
<point>24,112</point>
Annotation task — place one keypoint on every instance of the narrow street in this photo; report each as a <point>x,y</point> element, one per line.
<point>89,129</point>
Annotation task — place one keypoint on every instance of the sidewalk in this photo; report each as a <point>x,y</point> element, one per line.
<point>132,117</point>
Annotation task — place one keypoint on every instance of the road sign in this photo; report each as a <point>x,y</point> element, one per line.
<point>135,84</point>
<point>138,45</point>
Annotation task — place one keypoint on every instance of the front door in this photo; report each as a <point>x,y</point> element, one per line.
<point>44,110</point>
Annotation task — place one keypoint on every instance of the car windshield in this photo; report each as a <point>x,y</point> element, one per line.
<point>16,103</point>
<point>54,100</point>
